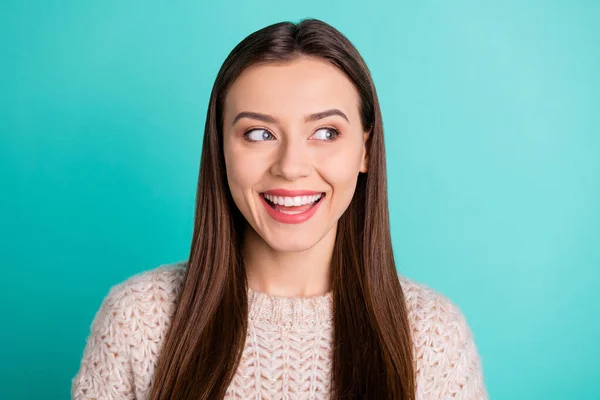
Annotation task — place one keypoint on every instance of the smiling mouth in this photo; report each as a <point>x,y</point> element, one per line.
<point>292,205</point>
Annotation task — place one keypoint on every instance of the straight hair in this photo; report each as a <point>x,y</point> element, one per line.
<point>372,344</point>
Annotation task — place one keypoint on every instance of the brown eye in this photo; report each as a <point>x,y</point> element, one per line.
<point>327,134</point>
<point>258,135</point>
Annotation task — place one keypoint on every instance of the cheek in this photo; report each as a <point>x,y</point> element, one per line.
<point>236,175</point>
<point>243,170</point>
<point>342,163</point>
<point>340,169</point>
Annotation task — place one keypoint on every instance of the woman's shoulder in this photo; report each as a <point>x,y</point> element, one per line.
<point>444,345</point>
<point>160,284</point>
<point>425,303</point>
<point>128,328</point>
<point>431,313</point>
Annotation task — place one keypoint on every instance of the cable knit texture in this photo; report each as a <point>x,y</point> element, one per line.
<point>288,349</point>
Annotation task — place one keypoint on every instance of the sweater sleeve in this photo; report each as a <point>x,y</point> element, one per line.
<point>105,371</point>
<point>464,369</point>
<point>448,366</point>
<point>454,366</point>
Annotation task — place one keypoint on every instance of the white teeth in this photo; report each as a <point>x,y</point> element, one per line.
<point>292,201</point>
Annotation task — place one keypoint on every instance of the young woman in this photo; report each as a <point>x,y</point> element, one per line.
<point>290,290</point>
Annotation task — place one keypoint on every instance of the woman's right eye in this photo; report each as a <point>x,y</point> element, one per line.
<point>257,135</point>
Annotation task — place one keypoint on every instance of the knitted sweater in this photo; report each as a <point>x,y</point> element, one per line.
<point>287,354</point>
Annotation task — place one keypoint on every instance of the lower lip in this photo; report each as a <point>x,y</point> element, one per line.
<point>290,218</point>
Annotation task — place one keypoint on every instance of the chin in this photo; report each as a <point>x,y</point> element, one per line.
<point>293,244</point>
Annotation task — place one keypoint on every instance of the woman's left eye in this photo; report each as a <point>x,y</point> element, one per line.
<point>327,134</point>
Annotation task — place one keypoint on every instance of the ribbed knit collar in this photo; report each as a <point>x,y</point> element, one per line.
<point>311,311</point>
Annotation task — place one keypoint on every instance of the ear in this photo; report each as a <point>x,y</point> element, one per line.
<point>364,164</point>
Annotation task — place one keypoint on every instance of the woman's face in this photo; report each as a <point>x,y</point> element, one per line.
<point>294,146</point>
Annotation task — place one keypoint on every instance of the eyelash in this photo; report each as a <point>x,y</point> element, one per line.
<point>337,133</point>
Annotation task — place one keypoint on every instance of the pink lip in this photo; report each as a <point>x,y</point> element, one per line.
<point>289,218</point>
<point>291,193</point>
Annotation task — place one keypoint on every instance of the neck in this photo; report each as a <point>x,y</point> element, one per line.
<point>288,273</point>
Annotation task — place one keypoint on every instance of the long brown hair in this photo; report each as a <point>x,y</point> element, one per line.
<point>372,346</point>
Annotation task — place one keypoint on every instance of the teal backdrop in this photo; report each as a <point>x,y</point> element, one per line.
<point>491,114</point>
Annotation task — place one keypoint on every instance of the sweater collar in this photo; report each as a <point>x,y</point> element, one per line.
<point>313,311</point>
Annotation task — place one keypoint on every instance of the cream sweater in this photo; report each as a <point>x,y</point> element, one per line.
<point>287,354</point>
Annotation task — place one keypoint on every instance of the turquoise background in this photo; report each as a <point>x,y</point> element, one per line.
<point>492,124</point>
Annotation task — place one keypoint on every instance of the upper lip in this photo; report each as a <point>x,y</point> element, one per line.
<point>291,193</point>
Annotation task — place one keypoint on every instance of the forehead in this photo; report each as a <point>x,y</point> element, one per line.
<point>292,90</point>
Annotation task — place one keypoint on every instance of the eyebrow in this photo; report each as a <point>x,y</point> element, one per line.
<point>271,119</point>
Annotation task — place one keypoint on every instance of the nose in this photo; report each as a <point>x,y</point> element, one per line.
<point>293,160</point>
